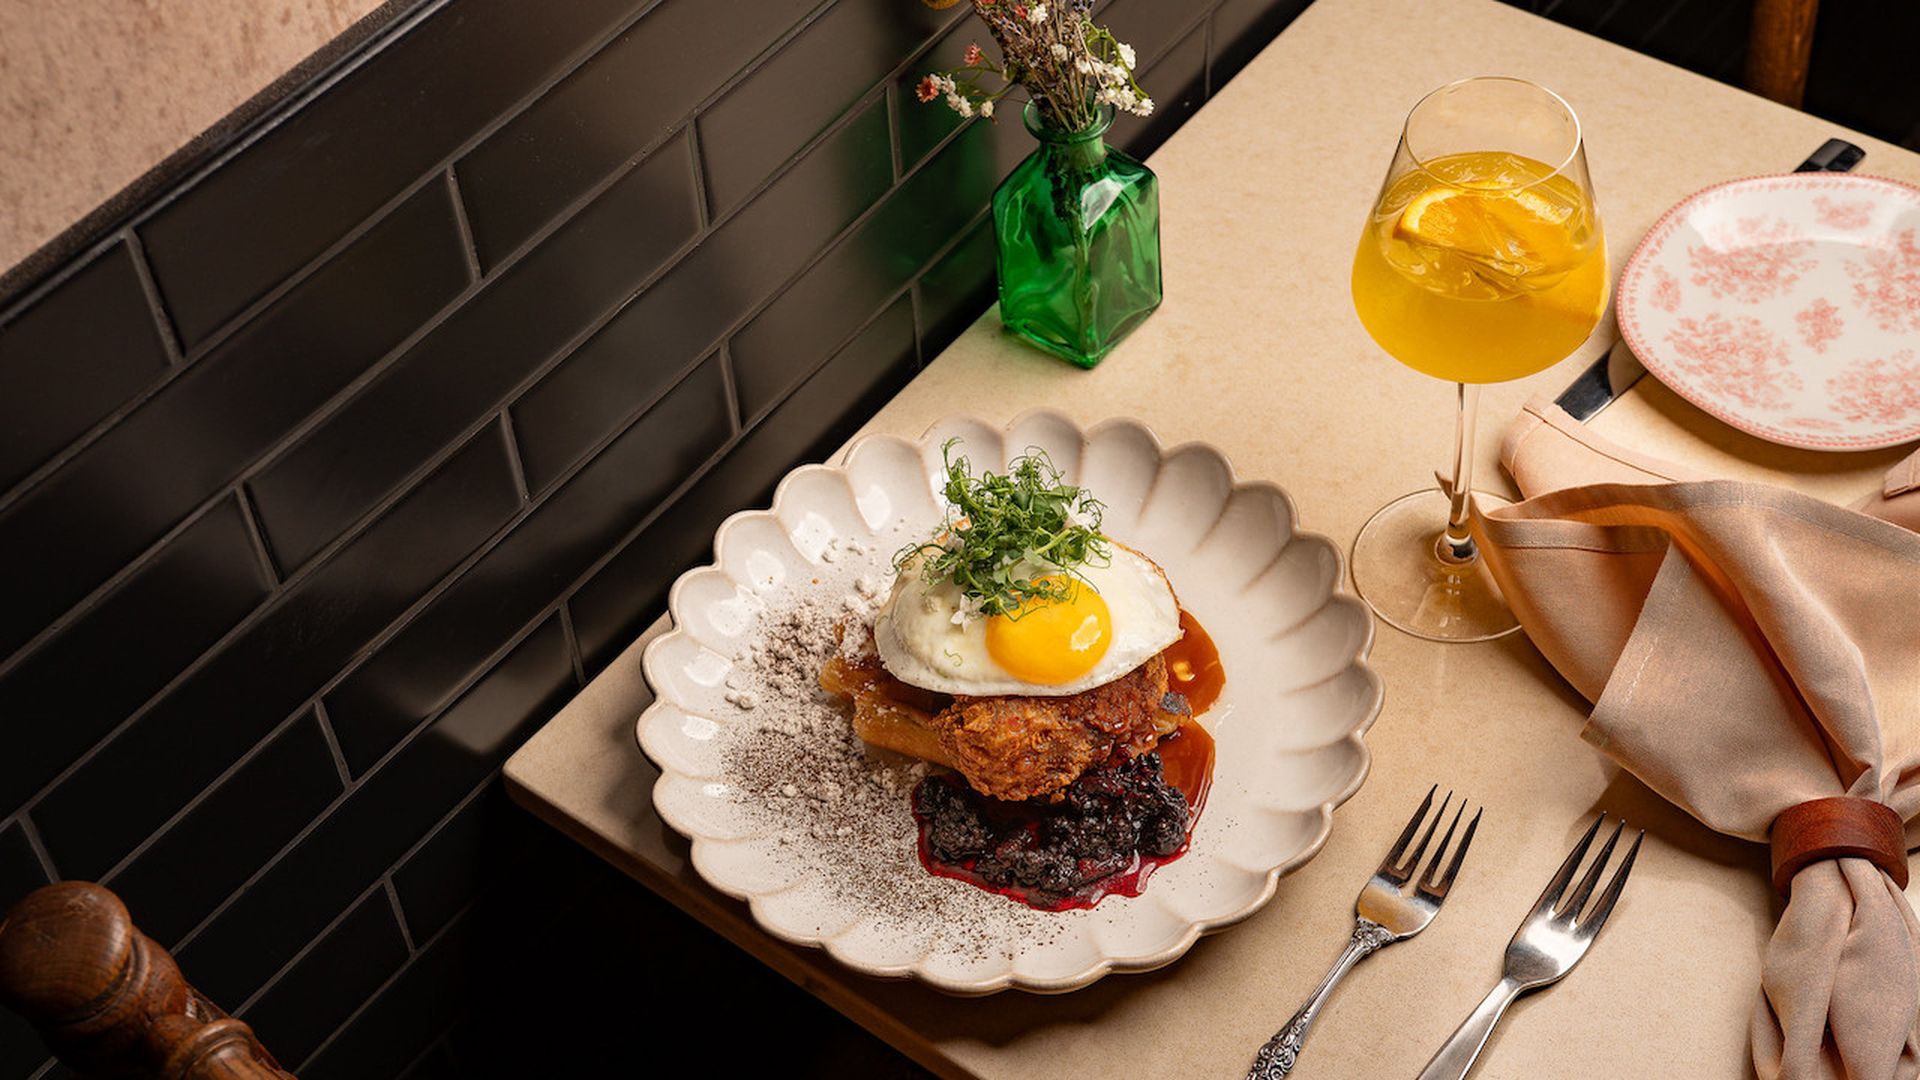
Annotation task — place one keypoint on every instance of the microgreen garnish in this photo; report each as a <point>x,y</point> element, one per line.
<point>1011,540</point>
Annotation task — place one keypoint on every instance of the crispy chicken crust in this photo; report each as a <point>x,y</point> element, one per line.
<point>1011,747</point>
<point>1016,747</point>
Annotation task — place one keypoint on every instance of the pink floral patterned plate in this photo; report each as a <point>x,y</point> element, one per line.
<point>1788,306</point>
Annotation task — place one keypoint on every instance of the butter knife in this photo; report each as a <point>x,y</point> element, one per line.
<point>1610,376</point>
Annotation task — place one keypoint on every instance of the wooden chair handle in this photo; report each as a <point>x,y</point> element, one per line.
<point>1779,48</point>
<point>109,1001</point>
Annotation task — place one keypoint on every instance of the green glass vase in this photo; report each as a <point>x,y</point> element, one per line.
<point>1077,242</point>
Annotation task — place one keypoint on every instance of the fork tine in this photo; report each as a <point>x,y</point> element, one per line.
<point>1571,909</point>
<point>1413,862</point>
<point>1551,895</point>
<point>1459,853</point>
<point>1604,906</point>
<point>1440,852</point>
<point>1393,857</point>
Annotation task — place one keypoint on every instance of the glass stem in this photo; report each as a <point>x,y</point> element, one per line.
<point>1456,543</point>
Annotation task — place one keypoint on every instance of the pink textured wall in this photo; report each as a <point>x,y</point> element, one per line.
<point>95,93</point>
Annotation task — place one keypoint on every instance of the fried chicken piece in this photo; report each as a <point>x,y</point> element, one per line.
<point>1018,747</point>
<point>1011,747</point>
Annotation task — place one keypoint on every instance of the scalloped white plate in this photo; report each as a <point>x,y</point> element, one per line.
<point>1289,724</point>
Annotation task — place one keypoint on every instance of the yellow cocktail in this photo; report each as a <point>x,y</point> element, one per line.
<point>1481,261</point>
<point>1481,267</point>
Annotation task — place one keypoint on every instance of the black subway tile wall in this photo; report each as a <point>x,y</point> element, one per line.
<point>328,475</point>
<point>72,359</point>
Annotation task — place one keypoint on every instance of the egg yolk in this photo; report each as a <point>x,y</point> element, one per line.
<point>1052,641</point>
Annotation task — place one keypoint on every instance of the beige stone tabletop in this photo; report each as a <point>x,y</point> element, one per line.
<point>1257,349</point>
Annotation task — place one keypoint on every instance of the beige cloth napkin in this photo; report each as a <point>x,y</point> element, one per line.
<point>1747,648</point>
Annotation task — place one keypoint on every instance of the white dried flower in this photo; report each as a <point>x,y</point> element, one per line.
<point>986,108</point>
<point>1083,65</point>
<point>1059,51</point>
<point>1126,55</point>
<point>1038,14</point>
<point>1144,108</point>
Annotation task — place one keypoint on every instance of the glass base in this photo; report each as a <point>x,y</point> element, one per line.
<point>1398,571</point>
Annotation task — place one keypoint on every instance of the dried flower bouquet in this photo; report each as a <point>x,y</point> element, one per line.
<point>1070,67</point>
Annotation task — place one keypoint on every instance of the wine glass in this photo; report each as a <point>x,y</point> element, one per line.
<point>1482,261</point>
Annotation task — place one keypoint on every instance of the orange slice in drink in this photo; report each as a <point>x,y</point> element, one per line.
<point>1522,240</point>
<point>1501,243</point>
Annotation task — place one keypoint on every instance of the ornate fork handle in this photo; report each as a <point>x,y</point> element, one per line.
<point>1275,1059</point>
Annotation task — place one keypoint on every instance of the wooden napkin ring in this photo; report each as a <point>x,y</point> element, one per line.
<point>1837,828</point>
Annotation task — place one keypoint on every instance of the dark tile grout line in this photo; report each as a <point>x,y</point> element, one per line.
<point>293,436</point>
<point>919,321</point>
<point>413,849</point>
<point>704,216</point>
<point>1180,36</point>
<point>166,826</point>
<point>333,745</point>
<point>37,845</point>
<point>398,624</point>
<point>573,645</point>
<point>1648,34</point>
<point>150,289</point>
<point>394,627</point>
<point>463,223</point>
<point>729,385</point>
<point>452,923</point>
<point>893,135</point>
<point>382,880</point>
<point>1206,53</point>
<point>257,537</point>
<point>839,122</point>
<point>912,282</point>
<point>1607,17</point>
<point>24,488</point>
<point>515,464</point>
<point>387,983</point>
<point>114,581</point>
<point>169,346</point>
<point>399,913</point>
<point>311,568</point>
<point>438,1042</point>
<point>379,884</point>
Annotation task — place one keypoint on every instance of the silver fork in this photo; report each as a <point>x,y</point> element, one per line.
<point>1550,941</point>
<point>1381,916</point>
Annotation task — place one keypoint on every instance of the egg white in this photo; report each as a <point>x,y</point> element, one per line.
<point>924,641</point>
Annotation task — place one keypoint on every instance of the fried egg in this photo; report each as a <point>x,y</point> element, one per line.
<point>1112,620</point>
